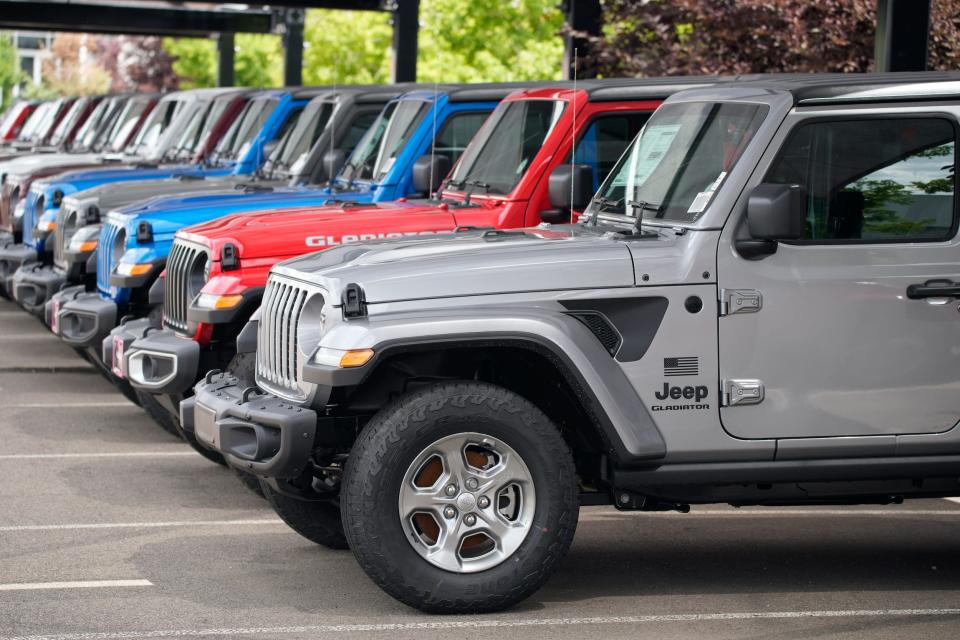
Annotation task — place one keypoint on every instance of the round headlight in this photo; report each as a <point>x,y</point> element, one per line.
<point>199,273</point>
<point>119,246</point>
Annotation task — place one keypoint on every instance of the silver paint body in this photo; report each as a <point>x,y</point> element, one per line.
<point>850,365</point>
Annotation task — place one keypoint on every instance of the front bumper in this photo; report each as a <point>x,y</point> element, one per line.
<point>115,345</point>
<point>157,361</point>
<point>34,284</point>
<point>261,434</point>
<point>85,319</point>
<point>12,257</point>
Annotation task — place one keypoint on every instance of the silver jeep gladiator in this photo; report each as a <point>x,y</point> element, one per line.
<point>759,307</point>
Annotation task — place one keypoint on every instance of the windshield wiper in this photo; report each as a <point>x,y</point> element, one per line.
<point>479,184</point>
<point>642,206</point>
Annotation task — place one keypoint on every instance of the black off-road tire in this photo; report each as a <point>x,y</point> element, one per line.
<point>317,521</point>
<point>387,447</point>
<point>248,480</point>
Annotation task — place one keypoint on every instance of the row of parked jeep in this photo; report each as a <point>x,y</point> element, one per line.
<point>427,323</point>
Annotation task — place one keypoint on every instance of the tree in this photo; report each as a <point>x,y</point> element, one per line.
<point>677,37</point>
<point>258,61</point>
<point>346,47</point>
<point>72,68</point>
<point>10,74</point>
<point>137,63</point>
<point>489,40</point>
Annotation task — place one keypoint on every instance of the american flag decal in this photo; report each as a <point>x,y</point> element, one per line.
<point>682,366</point>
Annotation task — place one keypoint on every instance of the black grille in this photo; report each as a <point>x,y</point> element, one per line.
<point>608,336</point>
<point>180,283</point>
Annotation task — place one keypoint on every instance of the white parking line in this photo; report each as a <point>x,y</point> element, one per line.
<point>772,513</point>
<point>118,454</point>
<point>68,405</point>
<point>142,525</point>
<point>957,500</point>
<point>486,623</point>
<point>85,584</point>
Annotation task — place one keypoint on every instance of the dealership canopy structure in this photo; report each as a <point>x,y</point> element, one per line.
<point>903,26</point>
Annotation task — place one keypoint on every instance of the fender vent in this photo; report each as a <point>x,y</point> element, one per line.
<point>606,333</point>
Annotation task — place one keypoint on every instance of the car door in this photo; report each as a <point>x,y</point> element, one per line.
<point>852,330</point>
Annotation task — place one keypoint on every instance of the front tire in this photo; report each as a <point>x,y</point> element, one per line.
<point>460,498</point>
<point>316,520</point>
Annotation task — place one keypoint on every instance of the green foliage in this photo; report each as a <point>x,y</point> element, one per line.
<point>10,74</point>
<point>194,61</point>
<point>347,47</point>
<point>258,61</point>
<point>489,40</point>
<point>879,219</point>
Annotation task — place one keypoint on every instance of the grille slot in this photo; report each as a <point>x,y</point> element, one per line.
<point>108,235</point>
<point>278,359</point>
<point>178,292</point>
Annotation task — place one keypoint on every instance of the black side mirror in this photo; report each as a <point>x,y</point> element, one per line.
<point>775,212</point>
<point>333,161</point>
<point>269,147</point>
<point>570,187</point>
<point>429,171</point>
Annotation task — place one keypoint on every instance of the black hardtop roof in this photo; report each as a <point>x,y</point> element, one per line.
<point>838,88</point>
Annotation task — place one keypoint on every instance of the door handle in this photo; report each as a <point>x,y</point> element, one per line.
<point>934,289</point>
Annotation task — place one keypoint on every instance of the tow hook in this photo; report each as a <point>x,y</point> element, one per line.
<point>629,501</point>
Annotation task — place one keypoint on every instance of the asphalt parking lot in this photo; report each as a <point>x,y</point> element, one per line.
<point>111,528</point>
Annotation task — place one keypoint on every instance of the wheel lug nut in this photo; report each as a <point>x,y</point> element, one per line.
<point>483,502</point>
<point>472,483</point>
<point>470,520</point>
<point>451,490</point>
<point>449,513</point>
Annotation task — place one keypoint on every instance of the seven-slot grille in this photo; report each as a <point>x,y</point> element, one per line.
<point>177,290</point>
<point>277,354</point>
<point>108,235</point>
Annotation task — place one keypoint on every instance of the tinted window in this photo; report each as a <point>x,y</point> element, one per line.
<point>377,150</point>
<point>506,145</point>
<point>358,127</point>
<point>457,132</point>
<point>873,180</point>
<point>605,140</point>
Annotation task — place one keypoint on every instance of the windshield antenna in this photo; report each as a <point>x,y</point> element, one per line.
<point>573,128</point>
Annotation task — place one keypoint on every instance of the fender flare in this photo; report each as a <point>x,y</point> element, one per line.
<point>601,386</point>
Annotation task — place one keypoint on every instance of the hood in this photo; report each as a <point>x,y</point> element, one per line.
<point>124,194</point>
<point>471,263</point>
<point>224,191</point>
<point>290,232</point>
<point>32,163</point>
<point>80,180</point>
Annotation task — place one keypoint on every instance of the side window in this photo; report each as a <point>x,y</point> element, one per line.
<point>289,123</point>
<point>357,128</point>
<point>605,140</point>
<point>457,132</point>
<point>873,180</point>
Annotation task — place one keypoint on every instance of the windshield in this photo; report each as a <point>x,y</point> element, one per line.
<point>67,121</point>
<point>198,130</point>
<point>505,145</point>
<point>156,125</point>
<point>94,125</point>
<point>244,129</point>
<point>679,160</point>
<point>377,150</point>
<point>11,116</point>
<point>44,119</point>
<point>125,124</point>
<point>295,146</point>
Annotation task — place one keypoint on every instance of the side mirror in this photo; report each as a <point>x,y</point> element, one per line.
<point>429,171</point>
<point>269,147</point>
<point>775,212</point>
<point>570,187</point>
<point>333,161</point>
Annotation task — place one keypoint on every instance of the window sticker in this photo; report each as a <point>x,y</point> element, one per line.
<point>654,143</point>
<point>702,199</point>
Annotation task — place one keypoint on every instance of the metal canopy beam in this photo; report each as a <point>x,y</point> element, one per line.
<point>406,28</point>
<point>583,17</point>
<point>903,31</point>
<point>225,59</point>
<point>100,18</point>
